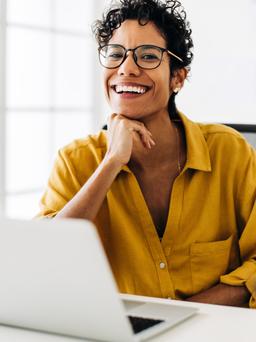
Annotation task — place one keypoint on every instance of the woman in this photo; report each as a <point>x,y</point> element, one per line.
<point>173,200</point>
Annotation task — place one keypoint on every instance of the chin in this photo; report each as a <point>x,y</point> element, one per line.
<point>134,116</point>
<point>129,112</point>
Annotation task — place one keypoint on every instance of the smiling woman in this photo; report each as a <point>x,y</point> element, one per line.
<point>173,200</point>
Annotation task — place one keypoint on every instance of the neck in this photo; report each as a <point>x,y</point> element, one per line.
<point>167,148</point>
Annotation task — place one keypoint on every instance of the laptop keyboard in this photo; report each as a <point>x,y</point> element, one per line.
<point>139,324</point>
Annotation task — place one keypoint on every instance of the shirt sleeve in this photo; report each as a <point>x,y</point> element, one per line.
<point>61,188</point>
<point>245,274</point>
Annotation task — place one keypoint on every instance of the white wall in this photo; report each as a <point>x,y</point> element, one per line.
<point>222,86</point>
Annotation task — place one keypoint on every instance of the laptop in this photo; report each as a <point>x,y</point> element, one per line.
<point>55,278</point>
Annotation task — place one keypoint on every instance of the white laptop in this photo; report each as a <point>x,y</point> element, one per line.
<point>55,278</point>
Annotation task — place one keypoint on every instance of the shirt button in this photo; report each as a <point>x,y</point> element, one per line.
<point>162,265</point>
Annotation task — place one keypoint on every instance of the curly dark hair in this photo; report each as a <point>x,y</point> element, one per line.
<point>169,17</point>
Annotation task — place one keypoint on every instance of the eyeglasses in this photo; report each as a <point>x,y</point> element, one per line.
<point>111,56</point>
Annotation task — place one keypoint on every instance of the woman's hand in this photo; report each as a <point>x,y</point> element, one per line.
<point>122,134</point>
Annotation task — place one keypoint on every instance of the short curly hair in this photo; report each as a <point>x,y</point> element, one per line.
<point>169,17</point>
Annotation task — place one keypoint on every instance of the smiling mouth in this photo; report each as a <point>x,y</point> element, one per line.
<point>138,90</point>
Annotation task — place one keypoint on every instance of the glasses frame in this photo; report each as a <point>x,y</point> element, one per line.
<point>134,56</point>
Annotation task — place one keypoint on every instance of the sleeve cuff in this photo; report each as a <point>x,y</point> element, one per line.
<point>251,286</point>
<point>46,215</point>
<point>244,275</point>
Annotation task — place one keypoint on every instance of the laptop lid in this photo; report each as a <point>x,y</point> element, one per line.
<point>55,278</point>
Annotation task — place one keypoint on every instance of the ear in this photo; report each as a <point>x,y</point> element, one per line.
<point>177,80</point>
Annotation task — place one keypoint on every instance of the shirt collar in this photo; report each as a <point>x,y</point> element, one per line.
<point>126,169</point>
<point>197,149</point>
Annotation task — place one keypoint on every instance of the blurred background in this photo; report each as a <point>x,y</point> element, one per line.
<point>51,90</point>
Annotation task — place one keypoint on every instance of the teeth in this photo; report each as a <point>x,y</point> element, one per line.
<point>130,89</point>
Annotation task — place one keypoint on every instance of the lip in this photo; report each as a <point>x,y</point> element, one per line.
<point>128,95</point>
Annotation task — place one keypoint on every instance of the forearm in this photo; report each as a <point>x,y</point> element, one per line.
<point>87,202</point>
<point>223,294</point>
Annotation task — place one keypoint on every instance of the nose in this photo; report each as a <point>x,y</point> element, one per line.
<point>129,67</point>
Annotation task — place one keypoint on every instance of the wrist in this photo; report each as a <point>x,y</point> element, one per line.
<point>112,162</point>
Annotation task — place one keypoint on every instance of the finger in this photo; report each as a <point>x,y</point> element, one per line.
<point>110,118</point>
<point>143,126</point>
<point>152,141</point>
<point>138,136</point>
<point>113,115</point>
<point>144,135</point>
<point>138,127</point>
<point>147,136</point>
<point>145,141</point>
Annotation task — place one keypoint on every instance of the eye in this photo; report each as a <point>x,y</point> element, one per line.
<point>114,55</point>
<point>149,57</point>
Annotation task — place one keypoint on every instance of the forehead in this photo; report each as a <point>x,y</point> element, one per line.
<point>131,34</point>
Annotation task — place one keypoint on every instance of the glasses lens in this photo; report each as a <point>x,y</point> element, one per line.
<point>111,56</point>
<point>148,57</point>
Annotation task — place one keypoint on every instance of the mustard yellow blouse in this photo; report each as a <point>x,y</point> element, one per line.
<point>210,234</point>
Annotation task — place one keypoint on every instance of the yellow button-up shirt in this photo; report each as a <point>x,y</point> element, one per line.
<point>210,234</point>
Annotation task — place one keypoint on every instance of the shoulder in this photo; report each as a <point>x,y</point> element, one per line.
<point>219,130</point>
<point>226,144</point>
<point>211,132</point>
<point>90,145</point>
<point>223,135</point>
<point>220,135</point>
<point>218,143</point>
<point>83,155</point>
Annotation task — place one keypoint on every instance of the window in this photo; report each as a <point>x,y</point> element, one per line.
<point>48,94</point>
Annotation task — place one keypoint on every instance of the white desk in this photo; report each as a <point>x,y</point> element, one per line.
<point>213,323</point>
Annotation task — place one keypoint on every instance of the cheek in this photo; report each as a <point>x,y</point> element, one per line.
<point>106,78</point>
<point>163,83</point>
<point>163,89</point>
<point>168,85</point>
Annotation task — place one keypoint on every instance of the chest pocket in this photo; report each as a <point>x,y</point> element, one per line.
<point>208,261</point>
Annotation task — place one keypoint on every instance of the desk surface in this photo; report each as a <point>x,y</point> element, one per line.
<point>213,323</point>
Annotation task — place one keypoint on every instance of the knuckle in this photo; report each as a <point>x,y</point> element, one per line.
<point>140,124</point>
<point>124,123</point>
